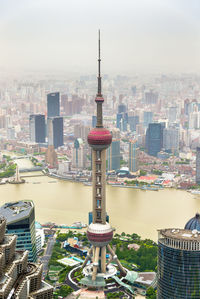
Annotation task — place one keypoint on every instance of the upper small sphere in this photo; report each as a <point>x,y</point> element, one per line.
<point>193,223</point>
<point>99,138</point>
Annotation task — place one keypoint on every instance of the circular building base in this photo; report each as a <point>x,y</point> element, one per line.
<point>110,271</point>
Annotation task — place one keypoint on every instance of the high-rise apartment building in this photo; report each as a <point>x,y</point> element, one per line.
<point>133,151</point>
<point>171,137</point>
<point>53,104</point>
<point>172,114</point>
<point>19,279</point>
<point>133,121</point>
<point>94,121</point>
<point>122,121</point>
<point>151,97</point>
<point>178,264</point>
<point>37,128</point>
<point>79,154</point>
<point>154,138</point>
<point>198,165</point>
<point>55,131</point>
<point>147,118</point>
<point>113,155</point>
<point>20,218</point>
<point>122,108</point>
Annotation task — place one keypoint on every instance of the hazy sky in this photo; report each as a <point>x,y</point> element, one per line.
<point>137,35</point>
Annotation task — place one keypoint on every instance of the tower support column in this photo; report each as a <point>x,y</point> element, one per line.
<point>96,263</point>
<point>103,259</point>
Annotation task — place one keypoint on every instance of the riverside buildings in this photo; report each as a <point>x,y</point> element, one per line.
<point>20,218</point>
<point>18,278</point>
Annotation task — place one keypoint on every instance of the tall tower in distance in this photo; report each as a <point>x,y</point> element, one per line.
<point>53,104</point>
<point>99,233</point>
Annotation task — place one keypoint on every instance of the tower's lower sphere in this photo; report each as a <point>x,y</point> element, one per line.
<point>100,234</point>
<point>99,138</point>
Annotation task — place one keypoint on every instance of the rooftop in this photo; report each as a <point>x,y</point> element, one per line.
<point>180,234</point>
<point>14,211</point>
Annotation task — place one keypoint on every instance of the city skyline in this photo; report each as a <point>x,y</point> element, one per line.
<point>138,36</point>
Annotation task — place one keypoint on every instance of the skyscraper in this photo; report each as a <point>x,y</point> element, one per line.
<point>19,279</point>
<point>55,131</point>
<point>133,150</point>
<point>53,104</point>
<point>37,128</point>
<point>113,155</point>
<point>79,154</point>
<point>198,165</point>
<point>151,97</point>
<point>133,121</point>
<point>94,121</point>
<point>99,232</point>
<point>154,138</point>
<point>147,118</point>
<point>171,139</point>
<point>178,264</point>
<point>20,218</point>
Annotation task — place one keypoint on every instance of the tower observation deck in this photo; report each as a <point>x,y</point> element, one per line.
<point>99,233</point>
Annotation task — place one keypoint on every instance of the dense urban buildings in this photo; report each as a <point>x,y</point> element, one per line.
<point>37,128</point>
<point>178,264</point>
<point>20,218</point>
<point>19,278</point>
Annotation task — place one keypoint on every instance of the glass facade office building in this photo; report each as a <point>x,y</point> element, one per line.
<point>20,217</point>
<point>178,264</point>
<point>113,155</point>
<point>53,104</point>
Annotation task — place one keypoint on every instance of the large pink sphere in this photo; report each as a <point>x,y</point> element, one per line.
<point>99,138</point>
<point>99,234</point>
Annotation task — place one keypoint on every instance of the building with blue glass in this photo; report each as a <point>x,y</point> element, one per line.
<point>20,217</point>
<point>178,264</point>
<point>147,118</point>
<point>154,138</point>
<point>55,131</point>
<point>37,128</point>
<point>53,104</point>
<point>113,155</point>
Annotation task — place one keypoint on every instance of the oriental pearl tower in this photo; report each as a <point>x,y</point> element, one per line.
<point>99,233</point>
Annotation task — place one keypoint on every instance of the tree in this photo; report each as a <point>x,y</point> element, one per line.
<point>142,172</point>
<point>151,293</point>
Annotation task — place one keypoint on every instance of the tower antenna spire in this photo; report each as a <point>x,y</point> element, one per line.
<point>99,67</point>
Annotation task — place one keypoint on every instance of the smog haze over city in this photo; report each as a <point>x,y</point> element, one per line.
<point>137,35</point>
<point>100,149</point>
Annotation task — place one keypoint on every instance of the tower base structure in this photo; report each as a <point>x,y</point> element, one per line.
<point>99,269</point>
